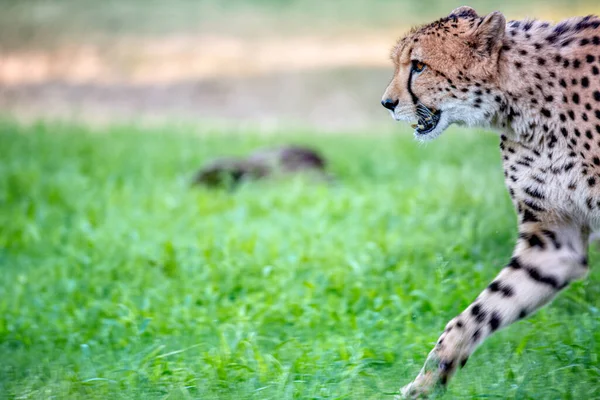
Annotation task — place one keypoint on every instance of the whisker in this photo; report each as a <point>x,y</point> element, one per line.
<point>424,110</point>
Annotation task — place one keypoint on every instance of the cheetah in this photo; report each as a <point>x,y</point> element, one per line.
<point>538,85</point>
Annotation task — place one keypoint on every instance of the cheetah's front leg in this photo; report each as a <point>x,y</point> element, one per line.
<point>546,258</point>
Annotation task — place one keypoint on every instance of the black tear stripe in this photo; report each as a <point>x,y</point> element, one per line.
<point>413,96</point>
<point>415,99</point>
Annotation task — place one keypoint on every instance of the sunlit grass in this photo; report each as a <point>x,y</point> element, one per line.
<point>120,280</point>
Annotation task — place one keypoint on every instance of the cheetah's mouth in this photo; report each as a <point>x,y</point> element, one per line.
<point>427,119</point>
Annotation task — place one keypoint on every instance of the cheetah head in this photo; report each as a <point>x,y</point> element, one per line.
<point>439,68</point>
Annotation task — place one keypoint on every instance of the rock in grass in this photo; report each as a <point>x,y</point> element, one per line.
<point>263,163</point>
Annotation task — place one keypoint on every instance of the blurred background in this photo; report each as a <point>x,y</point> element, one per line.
<point>262,62</point>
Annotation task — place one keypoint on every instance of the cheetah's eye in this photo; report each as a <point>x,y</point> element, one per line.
<point>418,66</point>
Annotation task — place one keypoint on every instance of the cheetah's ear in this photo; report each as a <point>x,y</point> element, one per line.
<point>489,33</point>
<point>464,12</point>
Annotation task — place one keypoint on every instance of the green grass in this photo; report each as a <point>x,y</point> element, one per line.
<point>119,281</point>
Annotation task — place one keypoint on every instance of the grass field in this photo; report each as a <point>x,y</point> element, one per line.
<point>119,281</point>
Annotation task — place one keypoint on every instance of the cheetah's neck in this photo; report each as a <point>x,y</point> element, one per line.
<point>528,86</point>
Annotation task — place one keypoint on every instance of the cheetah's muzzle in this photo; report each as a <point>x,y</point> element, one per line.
<point>427,119</point>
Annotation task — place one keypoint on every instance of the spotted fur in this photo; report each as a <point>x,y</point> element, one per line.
<point>539,85</point>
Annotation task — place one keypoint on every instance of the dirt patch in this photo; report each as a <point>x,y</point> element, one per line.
<point>333,83</point>
<point>333,99</point>
<point>179,58</point>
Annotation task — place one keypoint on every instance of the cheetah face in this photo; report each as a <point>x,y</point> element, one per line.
<point>424,111</point>
<point>437,68</point>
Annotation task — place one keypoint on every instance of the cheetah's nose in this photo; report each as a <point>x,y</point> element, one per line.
<point>389,104</point>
